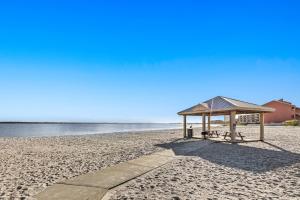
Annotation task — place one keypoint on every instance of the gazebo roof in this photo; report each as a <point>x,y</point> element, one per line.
<point>223,106</point>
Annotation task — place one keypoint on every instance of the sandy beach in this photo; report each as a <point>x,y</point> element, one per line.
<point>253,170</point>
<point>29,165</point>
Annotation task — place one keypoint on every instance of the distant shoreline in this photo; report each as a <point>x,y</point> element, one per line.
<point>90,123</point>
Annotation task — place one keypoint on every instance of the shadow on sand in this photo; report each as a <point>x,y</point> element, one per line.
<point>237,156</point>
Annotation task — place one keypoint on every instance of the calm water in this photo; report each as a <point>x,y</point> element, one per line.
<point>23,129</point>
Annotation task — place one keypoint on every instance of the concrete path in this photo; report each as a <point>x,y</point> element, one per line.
<point>94,185</point>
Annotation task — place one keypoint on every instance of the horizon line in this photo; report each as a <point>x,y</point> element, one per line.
<point>53,122</point>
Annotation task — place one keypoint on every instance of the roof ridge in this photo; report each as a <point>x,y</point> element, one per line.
<point>226,99</point>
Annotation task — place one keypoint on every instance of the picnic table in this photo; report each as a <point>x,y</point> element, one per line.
<point>239,134</point>
<point>206,134</point>
<point>212,133</point>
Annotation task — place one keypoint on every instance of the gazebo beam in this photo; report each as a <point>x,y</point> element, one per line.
<point>262,131</point>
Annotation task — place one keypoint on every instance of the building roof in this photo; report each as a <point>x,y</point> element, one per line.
<point>223,105</point>
<point>282,102</point>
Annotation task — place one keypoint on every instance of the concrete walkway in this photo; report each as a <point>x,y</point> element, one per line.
<point>94,185</point>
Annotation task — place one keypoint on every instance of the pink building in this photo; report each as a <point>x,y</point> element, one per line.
<point>284,111</point>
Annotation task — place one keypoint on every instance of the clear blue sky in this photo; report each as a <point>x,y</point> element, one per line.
<point>143,61</point>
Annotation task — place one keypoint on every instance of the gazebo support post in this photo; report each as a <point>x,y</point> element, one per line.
<point>208,122</point>
<point>203,123</point>
<point>184,126</point>
<point>232,124</point>
<point>262,129</point>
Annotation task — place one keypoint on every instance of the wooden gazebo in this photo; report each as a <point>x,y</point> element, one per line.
<point>225,106</point>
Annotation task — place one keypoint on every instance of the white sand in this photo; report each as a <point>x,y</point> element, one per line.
<point>224,171</point>
<point>220,171</point>
<point>28,165</point>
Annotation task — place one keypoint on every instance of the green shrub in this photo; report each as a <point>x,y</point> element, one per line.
<point>291,123</point>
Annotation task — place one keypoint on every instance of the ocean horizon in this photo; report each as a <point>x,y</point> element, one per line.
<point>41,129</point>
